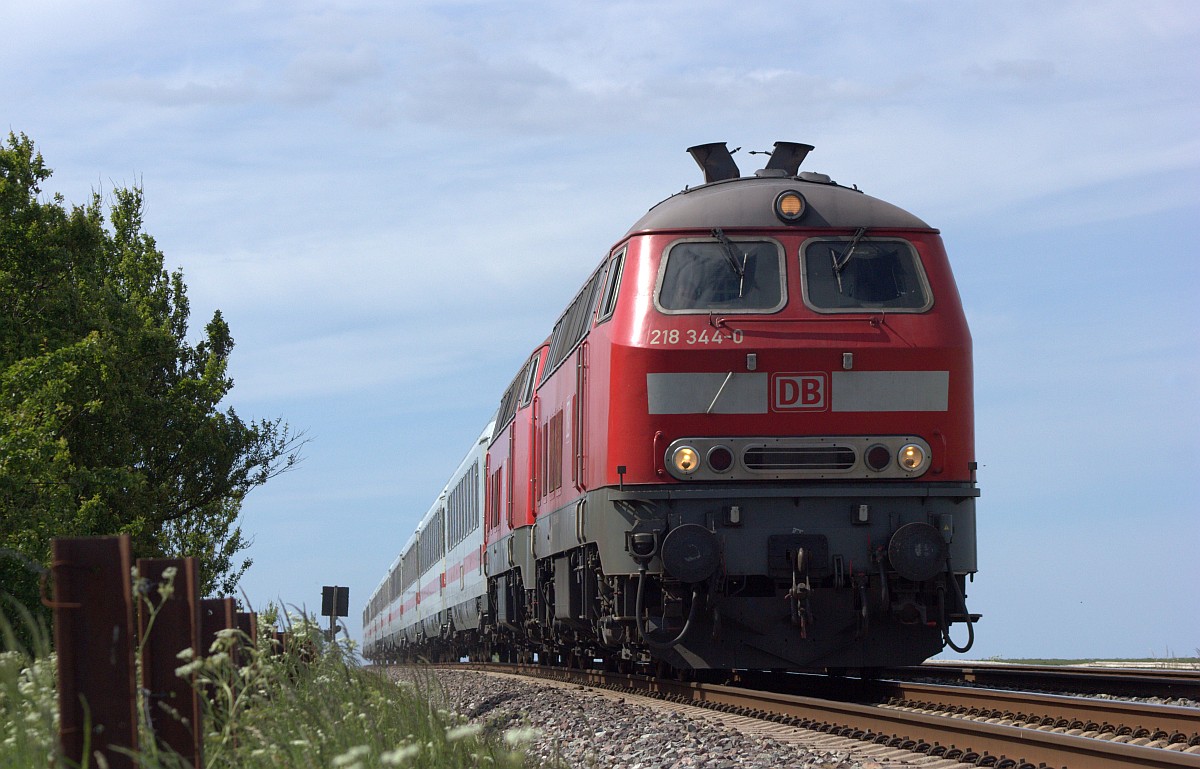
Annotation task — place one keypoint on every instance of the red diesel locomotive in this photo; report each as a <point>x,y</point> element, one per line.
<point>747,443</point>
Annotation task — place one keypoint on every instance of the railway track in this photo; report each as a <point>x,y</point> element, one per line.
<point>956,724</point>
<point>1165,683</point>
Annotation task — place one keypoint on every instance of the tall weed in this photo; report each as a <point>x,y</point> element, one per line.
<point>308,706</point>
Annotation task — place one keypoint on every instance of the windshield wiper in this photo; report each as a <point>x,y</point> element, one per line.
<point>731,255</point>
<point>839,263</point>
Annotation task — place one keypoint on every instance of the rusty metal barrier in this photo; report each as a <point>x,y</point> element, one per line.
<point>96,638</point>
<point>93,633</point>
<point>172,704</point>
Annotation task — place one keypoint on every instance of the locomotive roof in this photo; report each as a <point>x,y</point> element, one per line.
<point>731,200</point>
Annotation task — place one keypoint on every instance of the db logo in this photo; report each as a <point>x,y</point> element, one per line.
<point>794,392</point>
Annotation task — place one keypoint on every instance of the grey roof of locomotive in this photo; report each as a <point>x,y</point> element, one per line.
<point>750,202</point>
<point>729,200</point>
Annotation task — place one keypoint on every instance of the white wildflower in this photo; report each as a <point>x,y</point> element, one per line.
<point>186,654</point>
<point>351,756</point>
<point>183,671</point>
<point>466,731</point>
<point>10,662</point>
<point>399,755</point>
<point>521,736</point>
<point>166,588</point>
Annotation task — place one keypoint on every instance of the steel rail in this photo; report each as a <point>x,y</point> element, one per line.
<point>1054,709</point>
<point>1131,682</point>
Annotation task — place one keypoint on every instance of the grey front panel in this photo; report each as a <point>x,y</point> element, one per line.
<point>707,393</point>
<point>890,390</point>
<point>743,393</point>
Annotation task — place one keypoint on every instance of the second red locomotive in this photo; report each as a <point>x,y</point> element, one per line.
<point>747,443</point>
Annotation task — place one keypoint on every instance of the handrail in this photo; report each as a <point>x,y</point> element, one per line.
<point>723,321</point>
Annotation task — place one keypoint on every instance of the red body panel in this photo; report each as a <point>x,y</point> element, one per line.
<point>512,454</point>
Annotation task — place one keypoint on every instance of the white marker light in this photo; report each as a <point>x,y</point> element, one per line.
<point>911,457</point>
<point>685,460</point>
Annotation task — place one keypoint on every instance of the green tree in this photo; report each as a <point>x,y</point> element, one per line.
<point>109,417</point>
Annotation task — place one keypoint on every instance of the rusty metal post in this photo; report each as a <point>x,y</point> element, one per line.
<point>93,633</point>
<point>218,614</point>
<point>172,704</point>
<point>247,622</point>
<point>215,614</point>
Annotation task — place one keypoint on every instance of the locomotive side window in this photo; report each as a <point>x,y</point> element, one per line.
<point>726,275</point>
<point>513,397</point>
<point>531,378</point>
<point>608,301</point>
<point>574,323</point>
<point>856,273</point>
<point>495,494</point>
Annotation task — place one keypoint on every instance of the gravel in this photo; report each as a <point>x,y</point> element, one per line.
<point>578,727</point>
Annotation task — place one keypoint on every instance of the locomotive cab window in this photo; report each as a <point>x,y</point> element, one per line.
<point>721,274</point>
<point>853,274</point>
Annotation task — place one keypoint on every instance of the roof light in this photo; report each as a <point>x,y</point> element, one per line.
<point>789,206</point>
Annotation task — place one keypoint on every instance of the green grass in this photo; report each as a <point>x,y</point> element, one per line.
<point>28,699</point>
<point>310,706</point>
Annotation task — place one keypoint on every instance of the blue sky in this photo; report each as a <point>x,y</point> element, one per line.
<point>392,202</point>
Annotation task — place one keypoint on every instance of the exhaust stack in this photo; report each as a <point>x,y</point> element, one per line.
<point>716,161</point>
<point>787,157</point>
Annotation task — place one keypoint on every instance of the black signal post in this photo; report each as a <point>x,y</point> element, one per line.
<point>335,602</point>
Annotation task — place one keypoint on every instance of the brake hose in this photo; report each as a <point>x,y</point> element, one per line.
<point>641,622</point>
<point>942,611</point>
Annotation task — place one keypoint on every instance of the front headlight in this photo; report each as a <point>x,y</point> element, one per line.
<point>912,458</point>
<point>685,460</point>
